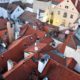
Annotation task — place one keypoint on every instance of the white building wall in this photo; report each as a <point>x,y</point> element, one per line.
<point>40,5</point>
<point>77,67</point>
<point>3,13</point>
<point>75,54</point>
<point>70,52</point>
<point>17,12</point>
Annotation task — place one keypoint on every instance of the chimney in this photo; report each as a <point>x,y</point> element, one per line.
<point>10,32</point>
<point>36,47</point>
<point>76,2</point>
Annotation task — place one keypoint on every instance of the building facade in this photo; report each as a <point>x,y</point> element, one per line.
<point>65,13</point>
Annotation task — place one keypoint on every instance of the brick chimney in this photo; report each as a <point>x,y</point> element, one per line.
<point>10,32</point>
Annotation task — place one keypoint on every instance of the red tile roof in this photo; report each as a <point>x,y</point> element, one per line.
<point>53,70</point>
<point>39,45</point>
<point>27,30</point>
<point>70,63</point>
<point>2,32</point>
<point>15,51</point>
<point>47,40</point>
<point>3,23</point>
<point>57,58</point>
<point>69,41</point>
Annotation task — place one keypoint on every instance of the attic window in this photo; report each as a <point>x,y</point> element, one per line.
<point>66,7</point>
<point>67,0</point>
<point>71,16</point>
<point>17,9</point>
<point>65,15</point>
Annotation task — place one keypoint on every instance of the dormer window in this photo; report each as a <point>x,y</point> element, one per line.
<point>66,7</point>
<point>17,9</point>
<point>67,0</point>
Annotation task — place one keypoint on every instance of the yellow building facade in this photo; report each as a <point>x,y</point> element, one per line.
<point>65,13</point>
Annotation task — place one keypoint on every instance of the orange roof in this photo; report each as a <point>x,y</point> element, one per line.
<point>53,70</point>
<point>2,32</point>
<point>69,41</point>
<point>31,48</point>
<point>27,30</point>
<point>46,40</point>
<point>70,63</point>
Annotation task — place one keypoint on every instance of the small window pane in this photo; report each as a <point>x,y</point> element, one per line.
<point>65,15</point>
<point>71,16</point>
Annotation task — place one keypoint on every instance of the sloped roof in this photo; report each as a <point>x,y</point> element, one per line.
<point>39,45</point>
<point>53,70</point>
<point>27,30</point>
<point>46,40</point>
<point>11,7</point>
<point>28,16</point>
<point>4,5</point>
<point>70,41</point>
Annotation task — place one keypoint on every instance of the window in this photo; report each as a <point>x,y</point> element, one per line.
<point>52,13</point>
<point>5,33</point>
<point>65,15</point>
<point>58,12</point>
<point>71,16</point>
<point>18,10</point>
<point>67,0</point>
<point>66,7</point>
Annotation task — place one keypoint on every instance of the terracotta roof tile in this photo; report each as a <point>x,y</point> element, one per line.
<point>27,30</point>
<point>53,70</point>
<point>3,23</point>
<point>46,40</point>
<point>39,45</point>
<point>70,63</point>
